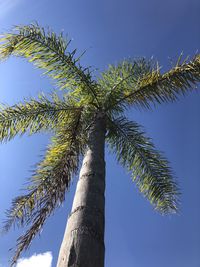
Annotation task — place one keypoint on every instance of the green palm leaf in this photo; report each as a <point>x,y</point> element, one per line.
<point>119,80</point>
<point>33,116</point>
<point>149,169</point>
<point>48,185</point>
<point>47,51</point>
<point>141,83</point>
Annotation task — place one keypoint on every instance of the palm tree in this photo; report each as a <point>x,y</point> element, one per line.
<point>89,113</point>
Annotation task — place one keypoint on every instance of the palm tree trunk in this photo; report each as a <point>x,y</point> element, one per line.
<point>83,242</point>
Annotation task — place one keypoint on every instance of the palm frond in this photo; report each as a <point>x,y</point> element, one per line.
<point>150,170</point>
<point>48,185</point>
<point>33,116</point>
<point>149,86</point>
<point>47,51</point>
<point>118,80</point>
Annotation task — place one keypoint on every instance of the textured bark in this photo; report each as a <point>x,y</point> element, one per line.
<point>83,242</point>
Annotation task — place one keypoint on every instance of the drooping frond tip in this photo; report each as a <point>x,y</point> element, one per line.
<point>48,51</point>
<point>149,169</point>
<point>48,185</point>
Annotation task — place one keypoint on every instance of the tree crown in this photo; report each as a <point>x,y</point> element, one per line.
<point>131,83</point>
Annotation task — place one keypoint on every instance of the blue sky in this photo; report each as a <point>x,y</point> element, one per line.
<point>110,31</point>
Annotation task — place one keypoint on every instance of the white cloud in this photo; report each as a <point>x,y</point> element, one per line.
<point>6,6</point>
<point>39,260</point>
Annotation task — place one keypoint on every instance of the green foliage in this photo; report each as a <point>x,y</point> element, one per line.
<point>140,83</point>
<point>118,81</point>
<point>47,51</point>
<point>33,116</point>
<point>47,187</point>
<point>131,83</point>
<point>149,169</point>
